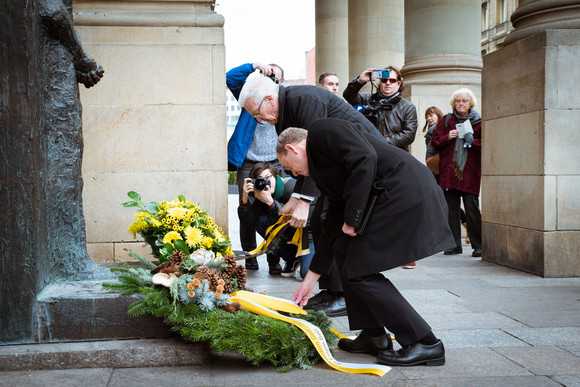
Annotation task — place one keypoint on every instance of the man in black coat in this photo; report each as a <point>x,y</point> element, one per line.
<point>384,206</point>
<point>299,106</point>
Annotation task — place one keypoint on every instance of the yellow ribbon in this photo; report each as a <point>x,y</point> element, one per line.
<point>271,233</point>
<point>267,306</point>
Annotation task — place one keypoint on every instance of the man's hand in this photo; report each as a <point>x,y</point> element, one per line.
<point>264,68</point>
<point>303,292</point>
<point>348,230</point>
<point>300,214</point>
<point>365,76</point>
<point>289,206</point>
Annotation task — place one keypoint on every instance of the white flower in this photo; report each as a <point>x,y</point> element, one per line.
<point>202,257</point>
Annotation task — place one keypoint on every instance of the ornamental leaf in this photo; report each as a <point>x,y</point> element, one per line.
<point>134,195</point>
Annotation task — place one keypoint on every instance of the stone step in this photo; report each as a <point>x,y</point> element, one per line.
<point>103,354</point>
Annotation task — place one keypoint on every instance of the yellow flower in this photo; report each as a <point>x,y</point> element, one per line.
<point>193,236</point>
<point>171,236</point>
<point>177,212</point>
<point>207,242</point>
<point>137,227</point>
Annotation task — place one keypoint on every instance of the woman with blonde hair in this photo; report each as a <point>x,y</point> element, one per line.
<point>458,139</point>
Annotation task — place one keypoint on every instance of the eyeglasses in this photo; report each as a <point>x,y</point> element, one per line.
<point>389,80</point>
<point>258,111</point>
<point>462,100</point>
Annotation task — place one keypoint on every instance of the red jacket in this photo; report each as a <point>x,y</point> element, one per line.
<point>472,172</point>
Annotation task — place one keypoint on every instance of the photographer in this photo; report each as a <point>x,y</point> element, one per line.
<point>393,116</point>
<point>264,193</point>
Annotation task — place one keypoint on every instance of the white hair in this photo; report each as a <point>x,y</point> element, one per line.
<point>464,90</point>
<point>257,87</point>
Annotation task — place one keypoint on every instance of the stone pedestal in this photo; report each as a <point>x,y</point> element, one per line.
<point>441,55</point>
<point>375,36</point>
<point>531,171</point>
<point>157,122</point>
<point>332,39</point>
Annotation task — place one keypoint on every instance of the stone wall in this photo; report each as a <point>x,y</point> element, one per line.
<point>156,124</point>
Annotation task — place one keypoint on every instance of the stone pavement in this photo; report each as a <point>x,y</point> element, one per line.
<point>500,327</point>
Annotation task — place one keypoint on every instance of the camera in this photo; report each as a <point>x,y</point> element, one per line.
<point>260,183</point>
<point>272,76</point>
<point>380,74</point>
<point>372,111</point>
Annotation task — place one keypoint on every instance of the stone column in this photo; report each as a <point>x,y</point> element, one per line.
<point>531,180</point>
<point>442,54</point>
<point>157,122</point>
<point>375,35</point>
<point>332,39</point>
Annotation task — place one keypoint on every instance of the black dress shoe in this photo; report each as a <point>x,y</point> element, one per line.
<point>252,264</point>
<point>335,307</point>
<point>476,253</point>
<point>453,251</point>
<point>322,297</point>
<point>415,354</point>
<point>367,344</point>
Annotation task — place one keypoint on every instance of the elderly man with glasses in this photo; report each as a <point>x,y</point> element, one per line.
<point>252,142</point>
<point>299,106</point>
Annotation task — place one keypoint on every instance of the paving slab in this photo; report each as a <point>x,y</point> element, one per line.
<point>543,360</point>
<point>493,381</point>
<point>547,336</point>
<point>568,380</point>
<point>531,318</point>
<point>53,378</point>
<point>478,338</point>
<point>468,363</point>
<point>485,320</point>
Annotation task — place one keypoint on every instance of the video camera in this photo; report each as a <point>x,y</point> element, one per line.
<point>372,111</point>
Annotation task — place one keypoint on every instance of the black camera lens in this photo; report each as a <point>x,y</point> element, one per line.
<point>260,183</point>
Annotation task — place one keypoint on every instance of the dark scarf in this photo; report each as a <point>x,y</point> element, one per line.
<point>393,99</point>
<point>460,153</point>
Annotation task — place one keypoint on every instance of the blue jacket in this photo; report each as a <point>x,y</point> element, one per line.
<point>240,141</point>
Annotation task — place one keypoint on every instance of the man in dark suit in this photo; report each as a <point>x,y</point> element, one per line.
<point>299,106</point>
<point>384,206</point>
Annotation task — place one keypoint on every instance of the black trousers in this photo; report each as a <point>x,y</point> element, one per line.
<point>472,216</point>
<point>373,301</point>
<point>330,281</point>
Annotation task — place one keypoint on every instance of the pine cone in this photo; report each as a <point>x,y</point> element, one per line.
<point>177,257</point>
<point>213,275</point>
<point>240,275</point>
<point>232,307</point>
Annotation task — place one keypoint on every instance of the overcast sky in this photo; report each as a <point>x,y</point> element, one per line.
<point>268,31</point>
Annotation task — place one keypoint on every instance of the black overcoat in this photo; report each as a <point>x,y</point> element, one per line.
<point>301,105</point>
<point>409,219</point>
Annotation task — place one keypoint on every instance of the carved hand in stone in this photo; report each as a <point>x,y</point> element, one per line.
<point>89,72</point>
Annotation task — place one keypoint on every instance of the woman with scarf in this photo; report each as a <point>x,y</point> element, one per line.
<point>460,167</point>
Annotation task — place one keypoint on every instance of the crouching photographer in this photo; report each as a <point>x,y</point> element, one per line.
<point>264,193</point>
<point>392,115</point>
